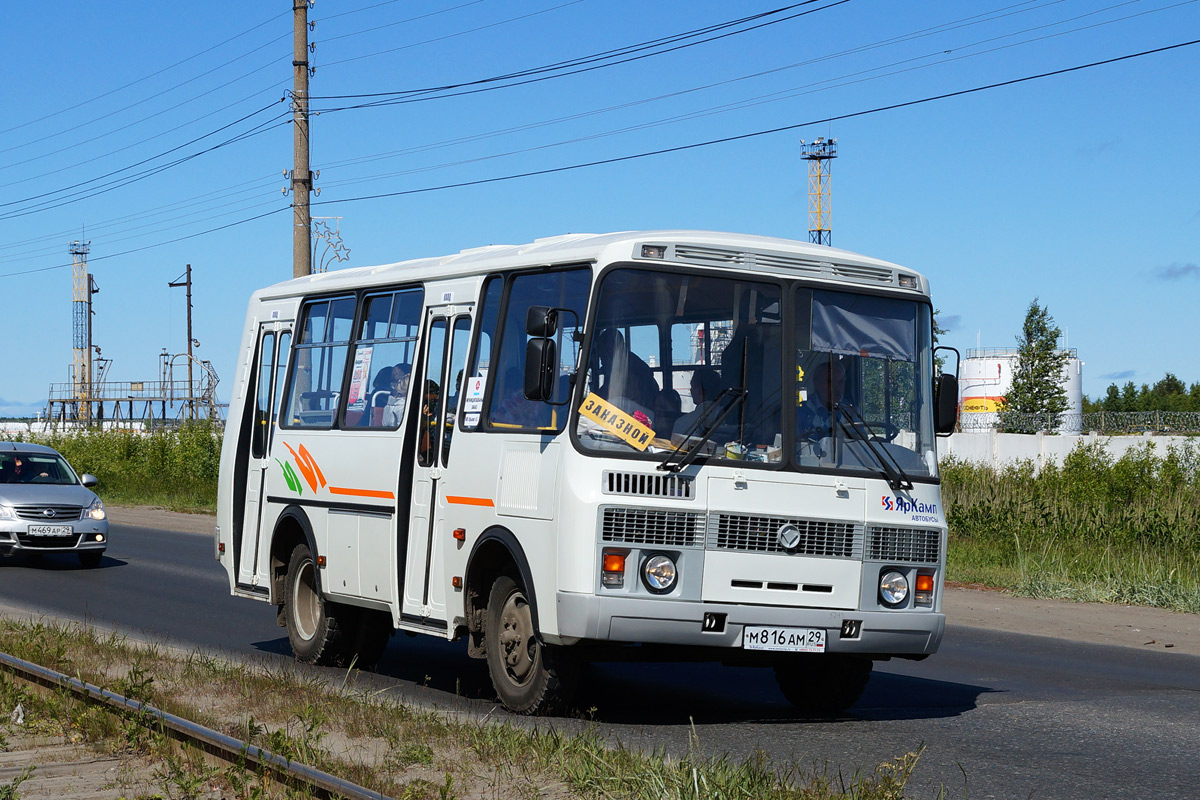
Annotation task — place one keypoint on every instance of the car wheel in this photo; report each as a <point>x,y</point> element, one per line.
<point>823,684</point>
<point>91,558</point>
<point>315,626</point>
<point>530,677</point>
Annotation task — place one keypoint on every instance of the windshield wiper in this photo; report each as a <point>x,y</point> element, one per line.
<point>732,398</point>
<point>896,477</point>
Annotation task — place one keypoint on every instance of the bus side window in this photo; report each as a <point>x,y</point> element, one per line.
<point>509,409</point>
<point>320,363</point>
<point>475,378</point>
<point>384,350</point>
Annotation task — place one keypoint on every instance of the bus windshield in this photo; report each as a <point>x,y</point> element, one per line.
<point>760,372</point>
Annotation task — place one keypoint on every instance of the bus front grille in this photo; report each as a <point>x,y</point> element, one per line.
<point>754,534</point>
<point>648,526</point>
<point>911,545</point>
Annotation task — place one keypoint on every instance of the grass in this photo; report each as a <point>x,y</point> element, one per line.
<point>1095,528</point>
<point>175,468</point>
<point>372,740</point>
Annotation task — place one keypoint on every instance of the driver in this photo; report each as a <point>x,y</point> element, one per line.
<point>816,419</point>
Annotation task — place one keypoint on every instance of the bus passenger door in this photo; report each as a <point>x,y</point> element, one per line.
<point>436,398</point>
<point>273,344</point>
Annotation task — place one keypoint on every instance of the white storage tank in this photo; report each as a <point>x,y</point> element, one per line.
<point>985,378</point>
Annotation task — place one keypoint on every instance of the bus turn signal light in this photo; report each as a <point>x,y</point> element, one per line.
<point>460,534</point>
<point>923,596</point>
<point>613,572</point>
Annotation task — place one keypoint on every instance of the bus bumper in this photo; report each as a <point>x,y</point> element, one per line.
<point>660,621</point>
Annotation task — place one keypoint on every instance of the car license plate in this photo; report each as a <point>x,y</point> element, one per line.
<point>50,530</point>
<point>789,640</point>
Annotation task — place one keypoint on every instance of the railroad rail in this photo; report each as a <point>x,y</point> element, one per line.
<point>316,782</point>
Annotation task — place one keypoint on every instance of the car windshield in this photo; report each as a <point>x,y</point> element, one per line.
<point>44,468</point>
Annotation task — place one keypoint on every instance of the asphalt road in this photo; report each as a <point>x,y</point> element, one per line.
<point>1001,715</point>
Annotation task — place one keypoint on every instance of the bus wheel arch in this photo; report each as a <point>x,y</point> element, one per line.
<point>293,528</point>
<point>319,631</point>
<point>496,552</point>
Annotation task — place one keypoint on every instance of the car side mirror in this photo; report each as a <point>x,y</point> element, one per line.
<point>89,481</point>
<point>541,365</point>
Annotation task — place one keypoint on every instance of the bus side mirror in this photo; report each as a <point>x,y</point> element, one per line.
<point>541,321</point>
<point>541,365</point>
<point>945,403</point>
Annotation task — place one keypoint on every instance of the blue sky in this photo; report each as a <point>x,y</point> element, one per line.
<point>1079,189</point>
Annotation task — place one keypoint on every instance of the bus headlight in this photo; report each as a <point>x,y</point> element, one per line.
<point>893,588</point>
<point>659,574</point>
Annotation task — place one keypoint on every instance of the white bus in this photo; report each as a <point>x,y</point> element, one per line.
<point>647,445</point>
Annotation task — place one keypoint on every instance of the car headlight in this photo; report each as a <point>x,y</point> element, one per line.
<point>96,510</point>
<point>659,574</point>
<point>893,588</point>
<point>6,512</point>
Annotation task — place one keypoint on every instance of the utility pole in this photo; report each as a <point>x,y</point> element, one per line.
<point>191,395</point>
<point>301,177</point>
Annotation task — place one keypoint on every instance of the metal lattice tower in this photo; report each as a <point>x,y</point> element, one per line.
<point>81,316</point>
<point>818,154</point>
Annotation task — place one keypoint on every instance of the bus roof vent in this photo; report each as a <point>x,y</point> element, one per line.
<point>795,264</point>
<point>641,484</point>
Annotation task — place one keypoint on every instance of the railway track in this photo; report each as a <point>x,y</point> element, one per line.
<point>55,759</point>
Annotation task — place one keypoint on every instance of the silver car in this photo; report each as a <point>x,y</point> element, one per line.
<point>46,508</point>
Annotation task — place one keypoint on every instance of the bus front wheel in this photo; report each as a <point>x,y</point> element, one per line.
<point>529,676</point>
<point>823,684</point>
<point>314,626</point>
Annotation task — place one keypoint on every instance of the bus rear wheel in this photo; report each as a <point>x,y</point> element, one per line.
<point>530,677</point>
<point>315,626</point>
<point>823,684</point>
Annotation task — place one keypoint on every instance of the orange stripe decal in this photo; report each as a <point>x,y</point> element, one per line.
<point>382,495</point>
<point>469,501</point>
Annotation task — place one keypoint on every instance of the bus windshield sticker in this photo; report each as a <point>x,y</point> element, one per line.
<point>622,425</point>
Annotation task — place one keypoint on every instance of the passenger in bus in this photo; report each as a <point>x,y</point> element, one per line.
<point>623,378</point>
<point>705,385</point>
<point>428,420</point>
<point>392,410</point>
<point>667,407</point>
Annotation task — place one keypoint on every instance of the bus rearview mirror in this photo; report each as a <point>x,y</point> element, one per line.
<point>541,365</point>
<point>945,403</point>
<point>541,321</point>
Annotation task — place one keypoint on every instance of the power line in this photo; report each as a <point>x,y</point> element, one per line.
<point>405,95</point>
<point>760,99</point>
<point>77,106</point>
<point>146,160</point>
<point>390,24</point>
<point>156,244</point>
<point>767,132</point>
<point>662,151</point>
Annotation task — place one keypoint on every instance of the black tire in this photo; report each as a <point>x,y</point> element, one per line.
<point>530,677</point>
<point>91,558</point>
<point>369,637</point>
<point>823,684</point>
<point>316,627</point>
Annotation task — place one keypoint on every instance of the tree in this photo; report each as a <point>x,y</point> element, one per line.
<point>1037,386</point>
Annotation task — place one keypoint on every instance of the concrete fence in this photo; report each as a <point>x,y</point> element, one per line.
<point>997,449</point>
